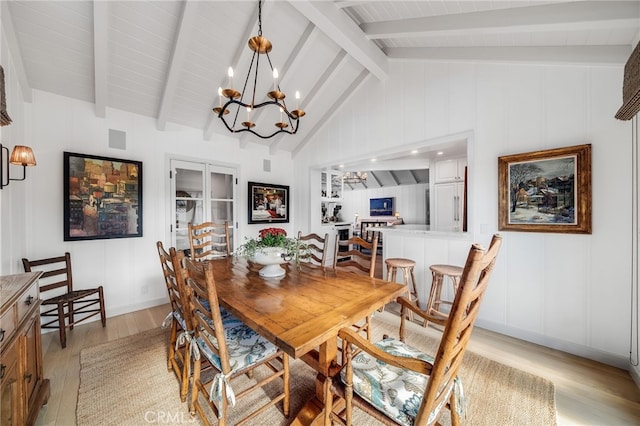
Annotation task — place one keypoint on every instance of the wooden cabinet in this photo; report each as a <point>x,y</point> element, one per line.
<point>452,170</point>
<point>24,388</point>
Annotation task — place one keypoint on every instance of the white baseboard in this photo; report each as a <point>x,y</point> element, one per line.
<point>635,375</point>
<point>125,309</point>
<point>561,345</point>
<point>120,310</point>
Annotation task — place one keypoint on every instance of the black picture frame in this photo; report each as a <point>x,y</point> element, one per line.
<point>102,197</point>
<point>268,203</point>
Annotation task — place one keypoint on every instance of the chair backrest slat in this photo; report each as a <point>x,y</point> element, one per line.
<point>349,254</point>
<point>209,240</point>
<point>316,248</point>
<point>56,272</point>
<point>197,280</point>
<point>460,323</point>
<point>176,299</point>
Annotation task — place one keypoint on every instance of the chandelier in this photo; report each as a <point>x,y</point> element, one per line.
<point>355,177</point>
<point>238,103</point>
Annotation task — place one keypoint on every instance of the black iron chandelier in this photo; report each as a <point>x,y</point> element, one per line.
<point>237,102</point>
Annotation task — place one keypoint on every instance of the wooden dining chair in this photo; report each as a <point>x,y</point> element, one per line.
<point>63,306</point>
<point>399,384</point>
<point>209,240</point>
<point>315,248</point>
<point>229,346</point>
<point>178,355</point>
<point>358,256</point>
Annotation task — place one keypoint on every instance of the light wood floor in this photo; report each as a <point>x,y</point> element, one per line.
<point>587,392</point>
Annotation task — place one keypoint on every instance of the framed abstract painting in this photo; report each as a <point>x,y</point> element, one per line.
<point>102,197</point>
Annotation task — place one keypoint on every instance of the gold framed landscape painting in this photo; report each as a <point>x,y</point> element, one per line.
<point>546,191</point>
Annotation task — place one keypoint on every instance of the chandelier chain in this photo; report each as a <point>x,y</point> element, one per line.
<point>260,18</point>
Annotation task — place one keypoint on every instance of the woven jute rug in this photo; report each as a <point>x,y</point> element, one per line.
<point>126,382</point>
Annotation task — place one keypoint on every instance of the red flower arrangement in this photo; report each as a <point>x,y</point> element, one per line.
<point>271,237</point>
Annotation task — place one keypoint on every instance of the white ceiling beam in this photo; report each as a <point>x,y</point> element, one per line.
<point>249,30</point>
<point>332,70</point>
<point>177,62</point>
<point>394,177</point>
<point>345,33</point>
<point>378,181</point>
<point>522,54</point>
<point>329,112</point>
<point>100,56</point>
<point>8,30</point>
<point>551,17</point>
<point>341,4</point>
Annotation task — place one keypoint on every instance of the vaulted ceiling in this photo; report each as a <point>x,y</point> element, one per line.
<point>166,59</point>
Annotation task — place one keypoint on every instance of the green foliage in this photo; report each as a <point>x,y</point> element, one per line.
<point>272,237</point>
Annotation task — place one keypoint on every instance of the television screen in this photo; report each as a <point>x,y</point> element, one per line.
<point>381,207</point>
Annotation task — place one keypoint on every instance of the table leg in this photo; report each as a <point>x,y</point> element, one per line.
<point>317,411</point>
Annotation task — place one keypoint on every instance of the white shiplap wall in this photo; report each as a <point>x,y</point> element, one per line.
<point>13,221</point>
<point>128,267</point>
<point>563,290</point>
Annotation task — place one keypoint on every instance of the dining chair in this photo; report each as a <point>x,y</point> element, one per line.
<point>179,318</point>
<point>315,250</point>
<point>399,384</point>
<point>358,256</point>
<point>63,306</point>
<point>209,240</point>
<point>229,346</point>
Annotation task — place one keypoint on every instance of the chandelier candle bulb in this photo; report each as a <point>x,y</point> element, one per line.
<point>275,80</point>
<point>230,74</point>
<point>220,96</point>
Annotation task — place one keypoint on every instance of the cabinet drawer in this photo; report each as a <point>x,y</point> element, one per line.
<point>27,301</point>
<point>9,357</point>
<point>7,325</point>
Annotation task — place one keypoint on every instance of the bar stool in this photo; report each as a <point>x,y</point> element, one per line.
<point>439,272</point>
<point>406,266</point>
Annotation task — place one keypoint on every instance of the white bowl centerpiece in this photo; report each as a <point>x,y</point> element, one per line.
<point>271,249</point>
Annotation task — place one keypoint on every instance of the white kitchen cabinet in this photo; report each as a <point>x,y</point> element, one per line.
<point>449,207</point>
<point>451,170</point>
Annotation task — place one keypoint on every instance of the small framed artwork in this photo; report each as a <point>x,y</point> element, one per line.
<point>546,191</point>
<point>102,197</point>
<point>268,203</point>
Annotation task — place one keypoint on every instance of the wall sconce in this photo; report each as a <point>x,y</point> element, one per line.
<point>20,156</point>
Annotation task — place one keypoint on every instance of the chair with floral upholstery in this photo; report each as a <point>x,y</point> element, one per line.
<point>399,384</point>
<point>178,356</point>
<point>229,346</point>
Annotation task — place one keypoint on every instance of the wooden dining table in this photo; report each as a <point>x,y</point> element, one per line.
<point>302,313</point>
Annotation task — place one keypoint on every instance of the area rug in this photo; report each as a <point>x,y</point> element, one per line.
<point>126,382</point>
